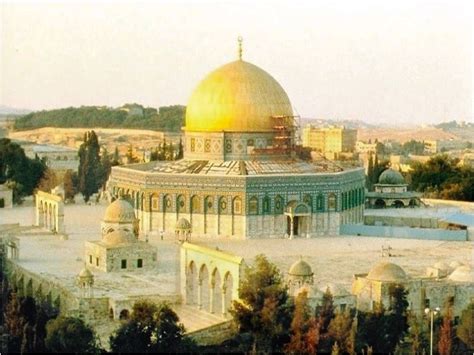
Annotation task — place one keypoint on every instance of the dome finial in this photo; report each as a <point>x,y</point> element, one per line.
<point>240,39</point>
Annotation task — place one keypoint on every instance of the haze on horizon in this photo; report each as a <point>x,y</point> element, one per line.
<point>381,62</point>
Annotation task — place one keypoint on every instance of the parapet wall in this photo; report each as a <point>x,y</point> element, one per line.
<point>404,232</point>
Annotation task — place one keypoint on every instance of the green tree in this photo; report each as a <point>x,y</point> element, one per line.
<point>151,329</point>
<point>417,335</point>
<point>90,169</point>
<point>465,329</point>
<point>304,329</point>
<point>340,330</point>
<point>20,173</point>
<point>396,318</point>
<point>446,334</point>
<point>69,185</point>
<point>370,173</point>
<point>180,154</point>
<point>264,309</point>
<point>70,335</point>
<point>49,181</point>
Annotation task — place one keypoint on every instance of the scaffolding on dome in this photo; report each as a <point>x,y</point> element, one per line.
<point>284,128</point>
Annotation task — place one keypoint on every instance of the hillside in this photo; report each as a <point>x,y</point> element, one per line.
<point>168,118</point>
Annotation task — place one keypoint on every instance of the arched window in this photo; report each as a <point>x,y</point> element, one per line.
<point>167,203</point>
<point>253,205</point>
<point>222,205</point>
<point>180,203</point>
<point>308,200</point>
<point>237,206</point>
<point>320,203</point>
<point>332,201</point>
<point>278,204</point>
<point>209,204</point>
<point>195,204</point>
<point>266,204</point>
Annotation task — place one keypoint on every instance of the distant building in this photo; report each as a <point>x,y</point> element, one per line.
<point>365,148</point>
<point>6,197</point>
<point>442,283</point>
<point>58,158</point>
<point>439,146</point>
<point>330,140</point>
<point>132,109</point>
<point>391,191</point>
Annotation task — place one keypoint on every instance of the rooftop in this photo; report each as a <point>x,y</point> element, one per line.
<point>237,167</point>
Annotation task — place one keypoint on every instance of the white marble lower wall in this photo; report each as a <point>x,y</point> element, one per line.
<point>241,227</point>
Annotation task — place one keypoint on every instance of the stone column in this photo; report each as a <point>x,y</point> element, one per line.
<point>211,296</point>
<point>291,227</point>
<point>199,294</point>
<point>224,293</point>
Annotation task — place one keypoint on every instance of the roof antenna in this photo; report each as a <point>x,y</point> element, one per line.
<point>240,39</point>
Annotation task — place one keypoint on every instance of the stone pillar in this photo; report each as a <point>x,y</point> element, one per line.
<point>211,296</point>
<point>199,294</point>
<point>224,299</point>
<point>291,227</point>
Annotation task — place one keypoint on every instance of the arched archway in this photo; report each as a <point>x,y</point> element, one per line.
<point>216,290</point>
<point>191,284</point>
<point>398,204</point>
<point>379,203</point>
<point>203,296</point>
<point>124,314</point>
<point>227,288</point>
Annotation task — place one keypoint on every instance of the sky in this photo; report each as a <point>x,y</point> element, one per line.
<point>405,62</point>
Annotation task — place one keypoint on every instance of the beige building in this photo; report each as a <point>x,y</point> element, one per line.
<point>119,249</point>
<point>331,140</point>
<point>439,146</point>
<point>442,283</point>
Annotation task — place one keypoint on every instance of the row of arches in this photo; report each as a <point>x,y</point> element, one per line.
<point>28,287</point>
<point>209,289</point>
<point>48,216</point>
<point>221,205</point>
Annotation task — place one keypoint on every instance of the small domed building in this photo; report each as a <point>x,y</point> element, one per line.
<point>300,275</point>
<point>434,289</point>
<point>119,249</point>
<point>240,177</point>
<point>392,191</point>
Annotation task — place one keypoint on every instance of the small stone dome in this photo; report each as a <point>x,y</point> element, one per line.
<point>454,264</point>
<point>391,177</point>
<point>119,237</point>
<point>85,273</point>
<point>119,211</point>
<point>183,224</point>
<point>462,273</point>
<point>441,265</point>
<point>300,268</point>
<point>387,272</point>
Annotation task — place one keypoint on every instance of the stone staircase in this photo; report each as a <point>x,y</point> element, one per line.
<point>193,319</point>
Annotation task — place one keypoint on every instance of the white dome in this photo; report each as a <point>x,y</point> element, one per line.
<point>119,237</point>
<point>441,265</point>
<point>119,211</point>
<point>462,274</point>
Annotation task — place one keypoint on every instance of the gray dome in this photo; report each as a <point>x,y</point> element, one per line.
<point>183,224</point>
<point>391,177</point>
<point>300,268</point>
<point>387,272</point>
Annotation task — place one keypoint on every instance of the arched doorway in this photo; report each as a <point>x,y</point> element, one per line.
<point>398,204</point>
<point>298,218</point>
<point>379,203</point>
<point>124,314</point>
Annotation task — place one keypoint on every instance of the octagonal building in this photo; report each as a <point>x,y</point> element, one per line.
<point>240,177</point>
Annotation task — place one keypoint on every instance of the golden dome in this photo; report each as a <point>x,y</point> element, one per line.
<point>237,97</point>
